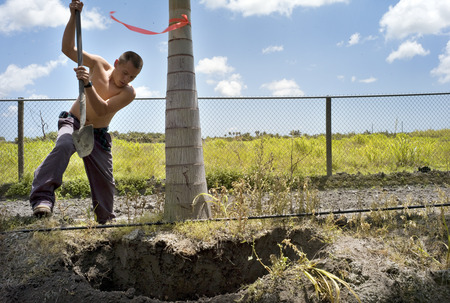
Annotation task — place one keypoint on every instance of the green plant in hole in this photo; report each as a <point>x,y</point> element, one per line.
<point>447,246</point>
<point>326,284</point>
<point>418,249</point>
<point>279,263</point>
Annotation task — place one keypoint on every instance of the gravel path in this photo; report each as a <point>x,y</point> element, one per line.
<point>336,199</point>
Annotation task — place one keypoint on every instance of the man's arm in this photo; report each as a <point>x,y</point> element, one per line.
<point>113,104</point>
<point>68,41</point>
<point>101,106</point>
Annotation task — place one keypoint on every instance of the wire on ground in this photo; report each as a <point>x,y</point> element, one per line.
<point>322,213</point>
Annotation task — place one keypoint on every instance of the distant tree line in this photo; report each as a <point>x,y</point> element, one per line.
<point>141,137</point>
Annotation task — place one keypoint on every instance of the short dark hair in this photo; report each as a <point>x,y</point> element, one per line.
<point>133,57</point>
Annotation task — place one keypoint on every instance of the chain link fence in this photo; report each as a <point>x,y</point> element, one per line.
<point>293,136</point>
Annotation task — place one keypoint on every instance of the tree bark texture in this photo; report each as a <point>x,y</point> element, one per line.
<point>185,170</point>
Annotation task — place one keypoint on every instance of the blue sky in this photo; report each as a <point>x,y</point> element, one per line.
<point>241,47</point>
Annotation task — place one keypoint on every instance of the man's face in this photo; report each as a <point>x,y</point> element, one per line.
<point>124,73</point>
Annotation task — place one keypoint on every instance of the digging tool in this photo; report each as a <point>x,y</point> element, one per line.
<point>83,139</point>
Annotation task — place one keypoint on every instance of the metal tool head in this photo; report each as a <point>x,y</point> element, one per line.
<point>83,139</point>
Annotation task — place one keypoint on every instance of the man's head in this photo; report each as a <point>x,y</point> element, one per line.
<point>126,68</point>
<point>133,57</point>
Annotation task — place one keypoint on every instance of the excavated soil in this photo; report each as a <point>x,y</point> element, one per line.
<point>160,265</point>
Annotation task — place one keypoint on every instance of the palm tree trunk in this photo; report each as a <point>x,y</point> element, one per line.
<point>185,170</point>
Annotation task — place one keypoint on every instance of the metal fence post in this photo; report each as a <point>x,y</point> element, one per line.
<point>20,154</point>
<point>329,137</point>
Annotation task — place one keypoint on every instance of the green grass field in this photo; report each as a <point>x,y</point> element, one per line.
<point>229,158</point>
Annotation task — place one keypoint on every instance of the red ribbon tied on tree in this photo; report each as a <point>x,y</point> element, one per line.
<point>178,23</point>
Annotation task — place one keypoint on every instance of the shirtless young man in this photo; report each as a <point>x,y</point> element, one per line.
<point>107,91</point>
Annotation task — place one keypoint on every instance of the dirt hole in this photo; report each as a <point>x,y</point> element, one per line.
<point>168,267</point>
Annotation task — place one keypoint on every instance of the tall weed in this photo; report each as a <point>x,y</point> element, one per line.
<point>229,159</point>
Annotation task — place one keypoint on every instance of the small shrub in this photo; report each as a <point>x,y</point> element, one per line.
<point>20,189</point>
<point>75,188</point>
<point>131,185</point>
<point>222,177</point>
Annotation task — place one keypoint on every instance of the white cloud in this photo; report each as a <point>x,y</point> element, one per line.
<point>145,92</point>
<point>17,16</point>
<point>214,66</point>
<point>370,38</point>
<point>415,17</point>
<point>407,50</point>
<point>443,69</point>
<point>15,79</point>
<point>11,111</point>
<point>37,96</point>
<point>368,80</point>
<point>163,47</point>
<point>273,49</point>
<point>232,86</point>
<point>283,88</point>
<point>219,71</point>
<point>92,19</point>
<point>354,39</point>
<point>266,7</point>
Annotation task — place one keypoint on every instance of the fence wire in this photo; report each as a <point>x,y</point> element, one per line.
<point>371,134</point>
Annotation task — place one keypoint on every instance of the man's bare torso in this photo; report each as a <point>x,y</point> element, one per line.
<point>100,76</point>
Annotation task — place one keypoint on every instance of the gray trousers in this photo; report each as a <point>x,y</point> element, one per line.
<point>98,166</point>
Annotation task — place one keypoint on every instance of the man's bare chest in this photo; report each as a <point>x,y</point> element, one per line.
<point>104,86</point>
